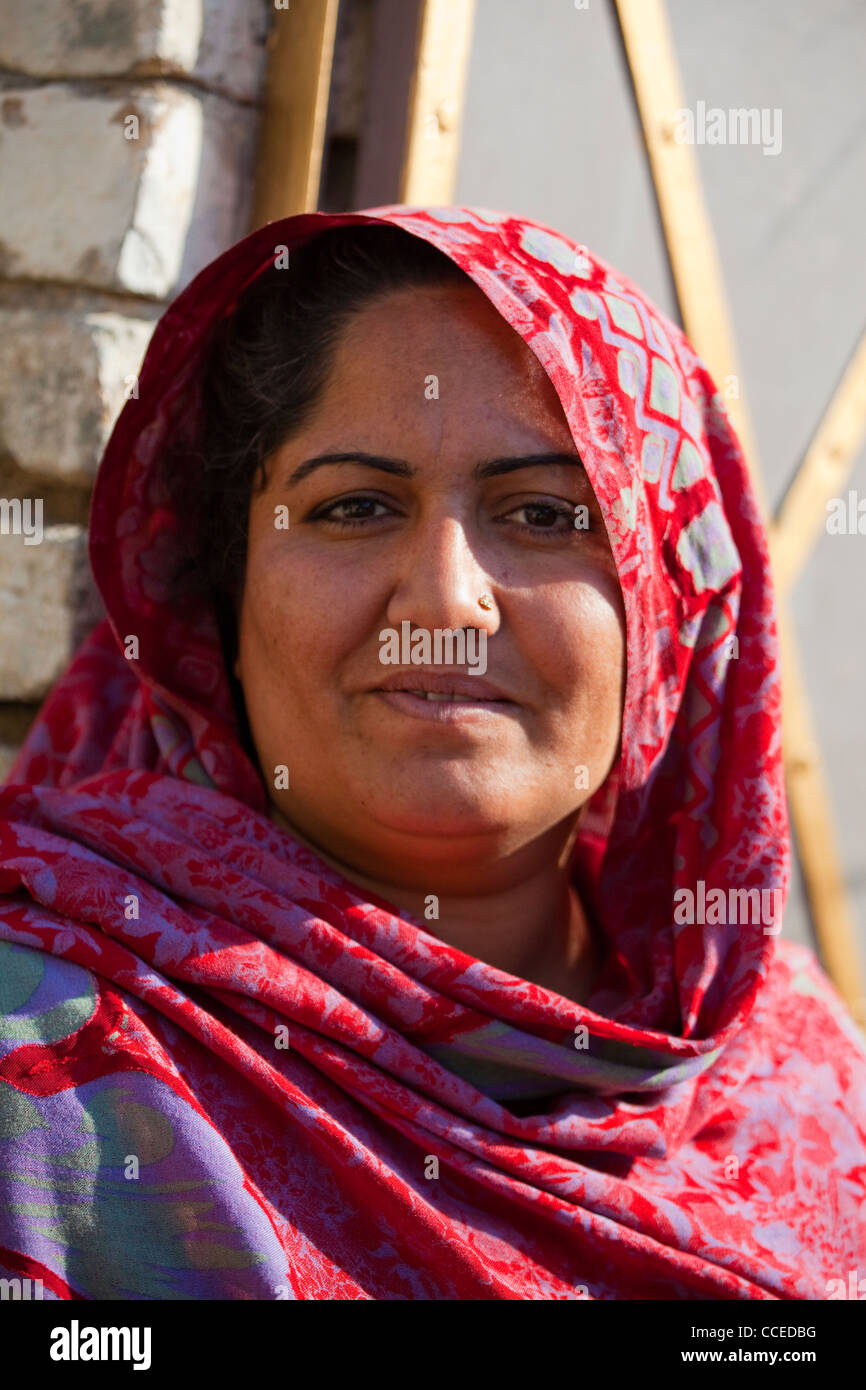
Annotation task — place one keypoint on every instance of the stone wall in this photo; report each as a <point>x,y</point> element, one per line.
<point>127,147</point>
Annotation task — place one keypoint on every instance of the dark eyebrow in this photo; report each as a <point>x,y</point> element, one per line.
<point>488,469</point>
<point>511,465</point>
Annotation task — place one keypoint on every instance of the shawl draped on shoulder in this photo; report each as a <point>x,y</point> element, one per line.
<point>226,1072</point>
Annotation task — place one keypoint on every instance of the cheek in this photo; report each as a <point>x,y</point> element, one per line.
<point>580,638</point>
<point>292,629</point>
<point>578,645</point>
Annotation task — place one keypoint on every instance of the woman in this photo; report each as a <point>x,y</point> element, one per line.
<point>338,968</point>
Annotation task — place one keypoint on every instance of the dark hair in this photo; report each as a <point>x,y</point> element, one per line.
<point>265,371</point>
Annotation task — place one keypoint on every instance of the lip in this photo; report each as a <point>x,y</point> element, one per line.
<point>446,711</point>
<point>486,700</point>
<point>476,687</point>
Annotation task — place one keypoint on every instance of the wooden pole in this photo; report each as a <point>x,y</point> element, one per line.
<point>292,137</point>
<point>826,466</point>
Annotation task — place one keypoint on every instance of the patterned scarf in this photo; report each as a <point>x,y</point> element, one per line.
<point>226,1072</point>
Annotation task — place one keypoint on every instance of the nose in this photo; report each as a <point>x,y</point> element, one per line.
<point>441,581</point>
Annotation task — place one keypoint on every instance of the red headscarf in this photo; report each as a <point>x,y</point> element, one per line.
<point>315,1090</point>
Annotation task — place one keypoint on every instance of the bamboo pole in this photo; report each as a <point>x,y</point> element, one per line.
<point>826,466</point>
<point>700,290</point>
<point>292,136</point>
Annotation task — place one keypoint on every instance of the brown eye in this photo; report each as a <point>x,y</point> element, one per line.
<point>355,505</point>
<point>545,519</point>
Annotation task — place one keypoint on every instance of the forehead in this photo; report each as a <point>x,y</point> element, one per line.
<point>448,344</point>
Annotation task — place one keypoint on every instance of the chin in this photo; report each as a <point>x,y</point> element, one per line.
<point>438,813</point>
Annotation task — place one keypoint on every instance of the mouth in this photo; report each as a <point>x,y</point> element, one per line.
<point>435,685</point>
<point>445,699</point>
<point>452,698</point>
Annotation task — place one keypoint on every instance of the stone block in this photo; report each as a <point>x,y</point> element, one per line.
<point>164,186</point>
<point>64,377</point>
<point>47,604</point>
<point>220,43</point>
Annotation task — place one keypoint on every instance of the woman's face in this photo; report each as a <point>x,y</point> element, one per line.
<point>436,383</point>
